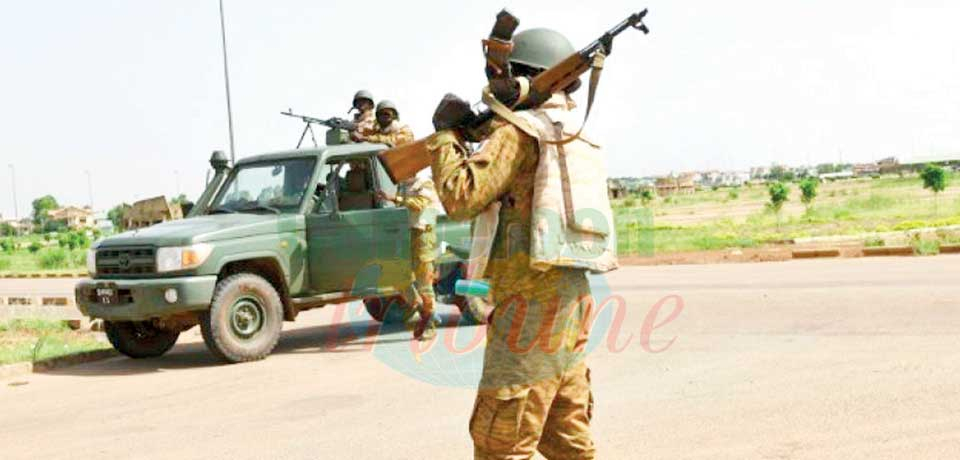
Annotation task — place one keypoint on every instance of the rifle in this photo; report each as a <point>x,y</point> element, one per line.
<point>332,123</point>
<point>453,112</point>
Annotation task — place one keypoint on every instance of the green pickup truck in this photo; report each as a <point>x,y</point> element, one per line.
<point>272,236</point>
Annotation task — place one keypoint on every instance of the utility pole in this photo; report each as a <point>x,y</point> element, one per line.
<point>89,188</point>
<point>226,80</point>
<point>13,185</point>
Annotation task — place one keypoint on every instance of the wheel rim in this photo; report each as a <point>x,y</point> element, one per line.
<point>246,317</point>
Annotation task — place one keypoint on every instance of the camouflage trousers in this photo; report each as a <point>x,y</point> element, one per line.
<point>423,250</point>
<point>552,417</point>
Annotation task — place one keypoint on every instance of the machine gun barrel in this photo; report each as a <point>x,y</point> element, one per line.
<point>334,122</point>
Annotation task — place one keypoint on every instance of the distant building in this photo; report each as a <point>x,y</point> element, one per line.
<point>675,185</point>
<point>145,213</point>
<point>866,169</point>
<point>837,175</point>
<point>72,217</point>
<point>888,165</point>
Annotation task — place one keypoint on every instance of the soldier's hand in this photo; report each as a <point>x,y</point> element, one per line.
<point>383,196</point>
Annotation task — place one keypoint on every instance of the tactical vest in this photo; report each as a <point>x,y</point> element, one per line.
<point>572,219</point>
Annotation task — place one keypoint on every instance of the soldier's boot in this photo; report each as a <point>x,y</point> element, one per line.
<point>426,328</point>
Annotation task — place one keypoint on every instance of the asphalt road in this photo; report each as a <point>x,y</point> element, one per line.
<point>849,358</point>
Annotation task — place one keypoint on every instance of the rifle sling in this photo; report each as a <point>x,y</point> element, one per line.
<point>596,67</point>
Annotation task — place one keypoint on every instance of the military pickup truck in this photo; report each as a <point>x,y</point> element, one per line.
<point>272,236</point>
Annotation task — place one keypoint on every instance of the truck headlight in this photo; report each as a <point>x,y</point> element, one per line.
<point>182,258</point>
<point>92,261</point>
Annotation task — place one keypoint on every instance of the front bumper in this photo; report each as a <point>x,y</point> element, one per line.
<point>142,299</point>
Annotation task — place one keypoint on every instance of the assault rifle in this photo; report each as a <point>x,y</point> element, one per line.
<point>453,112</point>
<point>332,123</point>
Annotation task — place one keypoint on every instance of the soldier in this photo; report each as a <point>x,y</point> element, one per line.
<point>534,392</point>
<point>363,104</point>
<point>420,197</point>
<point>387,129</point>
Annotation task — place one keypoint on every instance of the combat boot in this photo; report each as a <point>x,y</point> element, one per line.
<point>426,328</point>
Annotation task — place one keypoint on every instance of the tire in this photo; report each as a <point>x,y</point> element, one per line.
<point>140,339</point>
<point>388,310</point>
<point>244,319</point>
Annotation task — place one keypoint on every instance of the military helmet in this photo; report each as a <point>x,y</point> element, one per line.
<point>388,104</point>
<point>540,48</point>
<point>363,94</point>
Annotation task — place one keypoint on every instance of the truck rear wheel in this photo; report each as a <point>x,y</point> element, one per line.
<point>244,320</point>
<point>388,310</point>
<point>140,339</point>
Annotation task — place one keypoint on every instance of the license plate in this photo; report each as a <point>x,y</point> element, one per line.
<point>107,295</point>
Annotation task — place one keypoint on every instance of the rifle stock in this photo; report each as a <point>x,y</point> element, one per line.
<point>407,160</point>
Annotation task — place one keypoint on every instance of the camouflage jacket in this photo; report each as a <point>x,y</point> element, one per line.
<point>365,120</point>
<point>420,197</point>
<point>395,135</point>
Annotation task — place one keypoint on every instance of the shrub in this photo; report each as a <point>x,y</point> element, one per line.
<point>34,247</point>
<point>630,202</point>
<point>54,258</point>
<point>779,194</point>
<point>734,193</point>
<point>808,191</point>
<point>646,196</point>
<point>874,242</point>
<point>8,245</point>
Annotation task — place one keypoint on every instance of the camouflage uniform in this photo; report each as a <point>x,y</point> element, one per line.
<point>365,121</point>
<point>420,197</point>
<point>394,135</point>
<point>534,393</point>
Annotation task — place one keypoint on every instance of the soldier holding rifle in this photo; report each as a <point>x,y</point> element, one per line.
<point>553,225</point>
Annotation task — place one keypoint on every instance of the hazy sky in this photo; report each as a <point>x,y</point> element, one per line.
<point>132,91</point>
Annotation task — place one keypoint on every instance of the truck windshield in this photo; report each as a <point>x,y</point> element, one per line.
<point>276,187</point>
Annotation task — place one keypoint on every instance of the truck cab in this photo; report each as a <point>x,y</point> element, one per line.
<point>272,236</point>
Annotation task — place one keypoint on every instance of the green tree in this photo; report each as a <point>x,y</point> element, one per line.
<point>7,229</point>
<point>808,191</point>
<point>935,179</point>
<point>779,194</point>
<point>646,197</point>
<point>116,216</point>
<point>41,206</point>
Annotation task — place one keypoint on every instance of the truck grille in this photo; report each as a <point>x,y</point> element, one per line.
<point>126,261</point>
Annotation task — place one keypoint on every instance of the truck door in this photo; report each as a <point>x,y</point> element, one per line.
<point>356,243</point>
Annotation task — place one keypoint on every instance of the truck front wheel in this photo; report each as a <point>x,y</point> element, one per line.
<point>388,310</point>
<point>140,339</point>
<point>244,320</point>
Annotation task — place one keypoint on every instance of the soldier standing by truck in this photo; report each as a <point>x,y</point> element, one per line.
<point>534,392</point>
<point>363,104</point>
<point>420,197</point>
<point>387,129</point>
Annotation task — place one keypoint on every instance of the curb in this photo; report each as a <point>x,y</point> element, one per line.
<point>18,369</point>
<point>950,249</point>
<point>888,251</point>
<point>815,253</point>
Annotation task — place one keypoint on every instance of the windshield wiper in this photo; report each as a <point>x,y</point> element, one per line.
<point>258,206</point>
<point>222,210</point>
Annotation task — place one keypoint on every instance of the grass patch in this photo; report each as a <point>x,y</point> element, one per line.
<point>38,340</point>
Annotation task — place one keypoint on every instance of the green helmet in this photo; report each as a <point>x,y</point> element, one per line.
<point>363,94</point>
<point>540,48</point>
<point>388,105</point>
